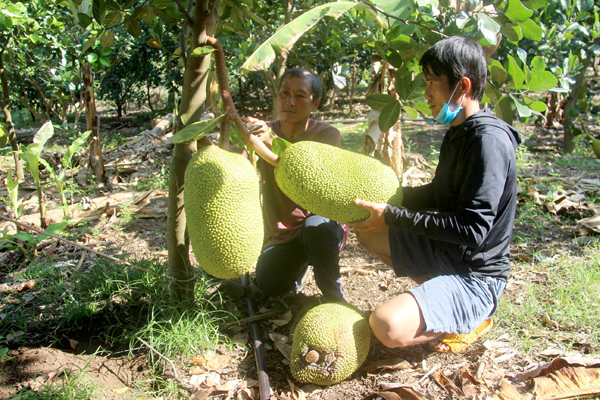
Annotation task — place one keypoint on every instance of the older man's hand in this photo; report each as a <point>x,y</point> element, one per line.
<point>376,220</point>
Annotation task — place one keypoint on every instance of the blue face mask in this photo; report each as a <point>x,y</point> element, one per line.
<point>445,116</point>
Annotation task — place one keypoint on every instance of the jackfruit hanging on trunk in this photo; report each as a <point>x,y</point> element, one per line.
<point>223,212</point>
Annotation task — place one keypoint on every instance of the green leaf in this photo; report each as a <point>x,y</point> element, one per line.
<point>74,148</point>
<point>202,51</point>
<point>84,20</point>
<point>92,58</point>
<point>538,65</point>
<point>99,10</point>
<point>394,58</point>
<point>378,101</point>
<point>422,108</point>
<point>403,82</point>
<point>535,105</point>
<point>88,43</point>
<point>504,110</point>
<point>389,116</point>
<point>279,145</point>
<point>112,5</point>
<point>417,88</point>
<point>531,30</point>
<point>411,112</point>
<point>522,110</point>
<point>113,18</point>
<point>133,27</point>
<point>254,17</point>
<point>196,131</point>
<point>511,31</point>
<point>34,38</point>
<point>104,62</point>
<point>489,28</point>
<point>542,81</point>
<point>515,71</point>
<point>107,39</point>
<point>497,73</point>
<point>161,4</point>
<point>56,228</point>
<point>43,134</point>
<point>283,40</point>
<point>517,12</point>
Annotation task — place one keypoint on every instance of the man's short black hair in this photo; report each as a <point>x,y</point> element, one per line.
<point>315,82</point>
<point>457,57</point>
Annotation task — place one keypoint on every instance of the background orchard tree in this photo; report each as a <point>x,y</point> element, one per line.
<point>13,18</point>
<point>572,42</point>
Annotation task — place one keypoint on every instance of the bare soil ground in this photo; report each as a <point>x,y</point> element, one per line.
<point>367,283</point>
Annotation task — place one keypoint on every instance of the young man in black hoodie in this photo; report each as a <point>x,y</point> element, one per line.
<point>452,236</point>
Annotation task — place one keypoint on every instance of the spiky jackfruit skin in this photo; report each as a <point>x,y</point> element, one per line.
<point>223,212</point>
<point>331,341</point>
<point>326,180</point>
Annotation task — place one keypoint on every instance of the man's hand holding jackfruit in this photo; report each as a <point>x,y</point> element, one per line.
<point>376,220</point>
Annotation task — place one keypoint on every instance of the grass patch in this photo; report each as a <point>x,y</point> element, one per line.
<point>564,298</point>
<point>119,305</point>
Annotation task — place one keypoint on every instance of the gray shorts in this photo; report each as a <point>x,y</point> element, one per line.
<point>450,302</point>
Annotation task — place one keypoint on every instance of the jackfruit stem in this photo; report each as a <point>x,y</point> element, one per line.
<point>253,142</point>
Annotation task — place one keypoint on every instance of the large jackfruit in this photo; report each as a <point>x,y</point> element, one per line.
<point>223,212</point>
<point>330,343</point>
<point>326,180</point>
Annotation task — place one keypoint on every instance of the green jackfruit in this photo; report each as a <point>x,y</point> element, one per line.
<point>223,212</point>
<point>326,180</point>
<point>331,341</point>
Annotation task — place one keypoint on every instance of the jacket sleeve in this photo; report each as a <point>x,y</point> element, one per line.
<point>485,169</point>
<point>419,198</point>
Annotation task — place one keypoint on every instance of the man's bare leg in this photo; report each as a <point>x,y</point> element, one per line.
<point>399,321</point>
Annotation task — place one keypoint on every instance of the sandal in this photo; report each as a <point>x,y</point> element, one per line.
<point>459,342</point>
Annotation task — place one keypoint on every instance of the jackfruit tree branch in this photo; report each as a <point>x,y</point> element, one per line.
<point>255,143</point>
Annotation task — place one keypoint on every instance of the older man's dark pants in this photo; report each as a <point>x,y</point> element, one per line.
<point>280,268</point>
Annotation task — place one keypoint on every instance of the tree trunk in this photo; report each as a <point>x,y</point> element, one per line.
<point>193,98</point>
<point>274,79</point>
<point>352,87</point>
<point>149,98</point>
<point>568,118</point>
<point>96,161</point>
<point>10,128</point>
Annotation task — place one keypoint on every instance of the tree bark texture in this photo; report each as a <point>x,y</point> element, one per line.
<point>193,98</point>
<point>10,128</point>
<point>95,147</point>
<point>568,117</point>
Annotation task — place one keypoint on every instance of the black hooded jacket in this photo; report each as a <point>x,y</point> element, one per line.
<point>469,207</point>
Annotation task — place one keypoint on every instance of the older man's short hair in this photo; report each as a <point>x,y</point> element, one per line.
<point>315,82</point>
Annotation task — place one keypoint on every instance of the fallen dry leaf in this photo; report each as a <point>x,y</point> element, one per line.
<point>282,344</point>
<point>284,320</point>
<point>212,362</point>
<point>202,394</point>
<point>589,225</point>
<point>446,383</point>
<point>567,383</point>
<point>394,363</point>
<point>401,392</point>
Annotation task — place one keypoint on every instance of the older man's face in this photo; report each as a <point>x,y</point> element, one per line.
<point>295,100</point>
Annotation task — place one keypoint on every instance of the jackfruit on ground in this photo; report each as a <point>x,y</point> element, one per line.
<point>331,341</point>
<point>326,180</point>
<point>223,212</point>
